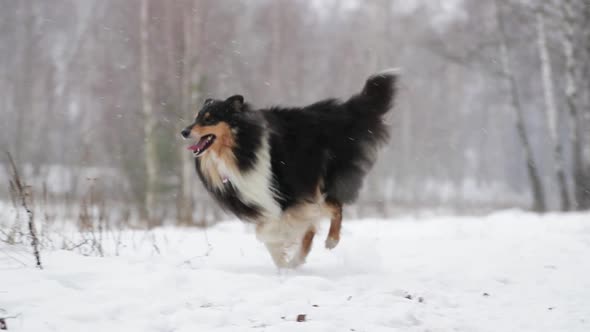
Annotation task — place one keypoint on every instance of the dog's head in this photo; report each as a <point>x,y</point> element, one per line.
<point>215,125</point>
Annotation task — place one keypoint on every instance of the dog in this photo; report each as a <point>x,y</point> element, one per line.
<point>286,168</point>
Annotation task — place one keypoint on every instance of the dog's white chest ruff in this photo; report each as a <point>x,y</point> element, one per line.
<point>254,186</point>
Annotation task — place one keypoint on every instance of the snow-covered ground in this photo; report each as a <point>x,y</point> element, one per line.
<point>507,272</point>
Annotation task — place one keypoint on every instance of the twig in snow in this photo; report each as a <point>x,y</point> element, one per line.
<point>3,325</point>
<point>72,245</point>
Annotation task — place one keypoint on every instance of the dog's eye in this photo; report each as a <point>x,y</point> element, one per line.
<point>208,120</point>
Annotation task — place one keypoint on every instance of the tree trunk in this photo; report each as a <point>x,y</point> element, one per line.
<point>185,204</point>
<point>551,108</point>
<point>533,173</point>
<point>24,101</point>
<point>150,155</point>
<point>275,51</point>
<point>581,176</point>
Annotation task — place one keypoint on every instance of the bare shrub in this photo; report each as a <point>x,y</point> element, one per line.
<point>25,198</point>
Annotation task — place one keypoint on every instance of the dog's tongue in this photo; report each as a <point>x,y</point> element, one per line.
<point>198,146</point>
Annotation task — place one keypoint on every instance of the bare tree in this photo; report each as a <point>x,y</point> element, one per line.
<point>551,107</point>
<point>539,203</point>
<point>276,45</point>
<point>189,87</point>
<point>24,92</point>
<point>580,172</point>
<point>151,157</point>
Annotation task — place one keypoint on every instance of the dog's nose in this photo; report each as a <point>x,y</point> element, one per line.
<point>186,132</point>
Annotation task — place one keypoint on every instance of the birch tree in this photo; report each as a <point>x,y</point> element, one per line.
<point>24,92</point>
<point>539,204</point>
<point>576,137</point>
<point>551,109</point>
<point>188,88</point>
<point>150,154</point>
<point>275,48</point>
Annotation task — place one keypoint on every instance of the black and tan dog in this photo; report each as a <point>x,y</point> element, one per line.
<point>284,169</point>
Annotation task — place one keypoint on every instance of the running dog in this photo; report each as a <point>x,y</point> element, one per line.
<point>286,168</point>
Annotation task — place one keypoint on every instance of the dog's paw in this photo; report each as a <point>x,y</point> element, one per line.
<point>332,242</point>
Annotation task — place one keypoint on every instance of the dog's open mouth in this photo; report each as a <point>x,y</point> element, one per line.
<point>203,144</point>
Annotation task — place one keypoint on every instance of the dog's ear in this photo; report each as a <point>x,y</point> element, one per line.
<point>236,102</point>
<point>207,101</point>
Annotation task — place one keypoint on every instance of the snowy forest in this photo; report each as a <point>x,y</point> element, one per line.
<point>493,110</point>
<point>475,217</point>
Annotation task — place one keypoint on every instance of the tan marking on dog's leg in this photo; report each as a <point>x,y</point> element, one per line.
<point>304,249</point>
<point>335,224</point>
<point>307,242</point>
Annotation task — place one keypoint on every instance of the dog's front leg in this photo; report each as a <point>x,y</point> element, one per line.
<point>278,253</point>
<point>270,233</point>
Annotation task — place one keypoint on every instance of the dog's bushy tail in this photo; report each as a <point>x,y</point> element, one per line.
<point>378,94</point>
<point>379,91</point>
<point>372,103</point>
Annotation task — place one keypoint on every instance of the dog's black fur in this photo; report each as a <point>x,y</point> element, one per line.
<point>329,145</point>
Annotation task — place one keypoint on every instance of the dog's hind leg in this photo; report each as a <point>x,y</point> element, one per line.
<point>335,209</point>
